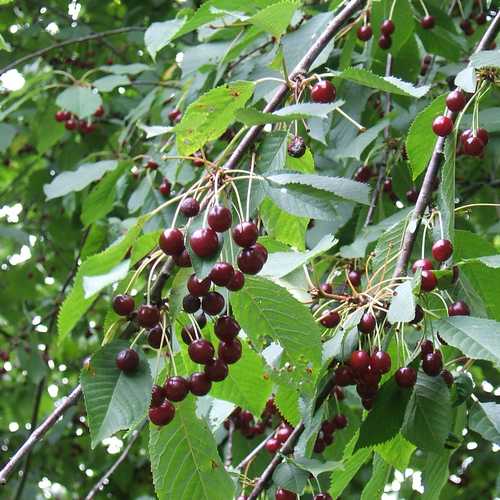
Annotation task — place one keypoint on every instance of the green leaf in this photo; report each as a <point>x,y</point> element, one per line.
<point>435,475</point>
<point>81,101</point>
<point>355,148</point>
<point>446,192</point>
<point>484,418</point>
<point>428,420</point>
<point>467,80</point>
<point>272,153</point>
<point>397,452</point>
<point>390,406</point>
<point>477,338</point>
<point>421,138</point>
<point>101,199</point>
<point>94,284</point>
<point>316,467</point>
<point>110,82</point>
<point>380,476</point>
<point>159,35</point>
<point>5,45</point>
<point>209,116</point>
<point>154,130</point>
<point>114,400</point>
<point>266,310</point>
<point>287,402</point>
<point>485,59</point>
<point>290,477</point>
<point>288,114</point>
<point>492,261</point>
<point>402,306</point>
<point>7,134</point>
<point>389,84</point>
<point>184,459</point>
<point>276,17</point>
<point>68,182</point>
<point>126,69</point>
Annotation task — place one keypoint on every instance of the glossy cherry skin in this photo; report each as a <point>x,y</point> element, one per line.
<point>387,27</point>
<point>155,336</point>
<point>428,22</point>
<point>183,259</point>
<point>172,241</point>
<point>473,146</point>
<point>201,351</point>
<point>459,308</point>
<point>163,414</point>
<point>364,33</point>
<point>237,281</point>
<point>176,388</point>
<point>323,91</point>
<point>165,188</point>
<point>157,395</point>
<point>340,421</point>
<point>359,361</point>
<point>226,328</point>
<point>190,303</point>
<point>190,207</point>
<point>424,264</point>
<point>61,116</point>
<point>199,384</point>
<point>175,115</point>
<point>127,360</point>
<point>380,361</point>
<point>217,370</point>
<point>204,242</point>
<point>330,319</point>
<point>483,135</point>
<point>222,273</point>
<point>123,304</point>
<point>412,195</point>
<point>354,277</point>
<point>432,363</point>
<point>272,445</point>
<point>385,42</point>
<point>426,347</point>
<point>344,376</point>
<point>213,303</point>
<point>71,124</point>
<point>455,101</point>
<point>319,445</point>
<point>428,281</point>
<point>148,316</point>
<point>219,218</point>
<point>363,173</point>
<point>388,185</point>
<point>283,432</point>
<point>326,288</point>
<point>442,126</point>
<point>367,323</point>
<point>245,234</point>
<point>442,250</point>
<point>198,288</point>
<point>282,494</point>
<point>250,260</point>
<point>447,377</point>
<point>328,427</point>
<point>230,352</point>
<point>419,315</point>
<point>152,165</point>
<point>406,377</point>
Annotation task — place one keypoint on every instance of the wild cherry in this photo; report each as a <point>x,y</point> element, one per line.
<point>172,241</point>
<point>198,159</point>
<point>330,319</point>
<point>481,18</point>
<point>99,112</point>
<point>190,207</point>
<point>323,91</point>
<point>176,388</point>
<point>61,116</point>
<point>328,427</point>
<point>123,305</point>
<point>367,323</point>
<point>157,395</point>
<point>473,146</point>
<point>442,126</point>
<point>155,335</point>
<point>387,27</point>
<point>282,494</point>
<point>201,351</point>
<point>442,250</point>
<point>237,281</point>
<point>148,316</point>
<point>467,27</point>
<point>319,445</point>
<point>272,445</point>
<point>432,363</point>
<point>71,124</point>
<point>222,273</point>
<point>455,101</point>
<point>424,264</point>
<point>447,377</point>
<point>230,352</point>
<point>197,287</point>
<point>354,277</point>
<point>380,361</point>
<point>152,165</point>
<point>387,186</point>
<point>338,392</point>
<point>428,22</point>
<point>127,360</point>
<point>261,251</point>
<point>364,32</point>
<point>344,376</point>
<point>366,391</point>
<point>219,218</point>
<point>175,115</point>
<point>363,173</point>
<point>428,281</point>
<point>283,432</point>
<point>250,260</point>
<point>188,334</point>
<point>368,403</point>
<point>406,377</point>
<point>459,308</point>
<point>340,421</point>
<point>297,147</point>
<point>226,328</point>
<point>483,135</point>
<point>245,234</point>
<point>359,361</point>
<point>201,319</point>
<point>190,303</point>
<point>419,315</point>
<point>412,195</point>
<point>165,188</point>
<point>204,242</point>
<point>213,303</point>
<point>326,288</point>
<point>163,414</point>
<point>217,370</point>
<point>384,42</point>
<point>183,259</point>
<point>426,347</point>
<point>199,384</point>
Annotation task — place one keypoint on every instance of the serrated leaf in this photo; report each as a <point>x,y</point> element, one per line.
<point>290,477</point>
<point>435,475</point>
<point>421,138</point>
<point>209,116</point>
<point>380,476</point>
<point>110,82</point>
<point>271,155</point>
<point>276,17</point>
<point>477,338</point>
<point>485,59</point>
<point>114,400</point>
<point>94,284</point>
<point>402,306</point>
<point>81,101</point>
<point>184,459</point>
<point>159,35</point>
<point>397,452</point>
<point>287,401</point>
<point>484,418</point>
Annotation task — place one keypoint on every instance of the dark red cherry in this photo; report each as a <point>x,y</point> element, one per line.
<point>328,427</point>
<point>157,395</point>
<point>204,242</point>
<point>201,351</point>
<point>272,445</point>
<point>230,352</point>
<point>388,185</point>
<point>175,116</point>
<point>387,27</point>
<point>344,376</point>
<point>368,403</point>
<point>172,241</point>
<point>250,260</point>
<point>340,421</point>
<point>191,304</point>
<point>127,360</point>
<point>442,126</point>
<point>319,445</point>
<point>297,147</point>
<point>473,146</point>
<point>412,195</point>
<point>219,218</point>
<point>354,277</point>
<point>447,377</point>
<point>455,101</point>
<point>123,304</point>
<point>213,303</point>
<point>432,363</point>
<point>217,370</point>
<point>183,259</point>
<point>406,377</point>
<point>152,165</point>
<point>426,347</point>
<point>366,391</point>
<point>198,288</point>
<point>385,42</point>
<point>419,315</point>
<point>365,32</point>
<point>428,22</point>
<point>326,288</point>
<point>442,250</point>
<point>190,207</point>
<point>148,316</point>
<point>60,116</point>
<point>422,264</point>
<point>330,319</point>
<point>188,334</point>
<point>282,494</point>
<point>237,281</point>
<point>199,384</point>
<point>222,273</point>
<point>459,308</point>
<point>283,432</point>
<point>226,328</point>
<point>165,188</point>
<point>481,18</point>
<point>71,124</point>
<point>245,234</point>
<point>198,159</point>
<point>363,173</point>
<point>367,323</point>
<point>359,361</point>
<point>483,135</point>
<point>467,27</point>
<point>261,250</point>
<point>338,392</point>
<point>323,91</point>
<point>428,281</point>
<point>380,361</point>
<point>176,388</point>
<point>163,414</point>
<point>155,337</point>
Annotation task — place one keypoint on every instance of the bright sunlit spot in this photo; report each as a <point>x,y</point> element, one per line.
<point>12,80</point>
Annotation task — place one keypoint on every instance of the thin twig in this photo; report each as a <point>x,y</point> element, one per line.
<point>228,450</point>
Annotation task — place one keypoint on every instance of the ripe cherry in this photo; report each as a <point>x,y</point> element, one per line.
<point>326,288</point>
<point>442,250</point>
<point>157,396</point>
<point>447,377</point>
<point>365,32</point>
<point>385,42</point>
<point>406,377</point>
<point>344,376</point>
<point>188,334</point>
<point>363,173</point>
<point>197,287</point>
<point>442,126</point>
<point>123,305</point>
<point>155,335</point>
<point>226,328</point>
<point>165,188</point>
<point>380,361</point>
<point>250,260</point>
<point>459,308</point>
<point>367,323</point>
<point>219,218</point>
<point>176,388</point>
<point>201,351</point>
<point>340,421</point>
<point>473,146</point>
<point>432,363</point>
<point>183,259</point>
<point>319,445</point>
<point>483,135</point>
<point>338,392</point>
<point>387,185</point>
<point>222,273</point>
<point>323,91</point>
<point>297,147</point>
<point>230,352</point>
<point>359,361</point>
<point>412,195</point>
<point>163,414</point>
<point>190,303</point>
<point>366,391</point>
<point>217,370</point>
<point>61,116</point>
<point>245,234</point>
<point>481,18</point>
<point>237,281</point>
<point>199,384</point>
<point>152,165</point>
<point>127,360</point>
<point>387,27</point>
<point>272,445</point>
<point>419,315</point>
<point>189,207</point>
<point>175,115</point>
<point>172,241</point>
<point>368,403</point>
<point>198,159</point>
<point>204,242</point>
<point>148,316</point>
<point>424,264</point>
<point>282,494</point>
<point>455,101</point>
<point>261,251</point>
<point>330,319</point>
<point>354,277</point>
<point>213,303</point>
<point>328,427</point>
<point>467,27</point>
<point>428,281</point>
<point>428,22</point>
<point>99,112</point>
<point>426,347</point>
<point>71,124</point>
<point>283,432</point>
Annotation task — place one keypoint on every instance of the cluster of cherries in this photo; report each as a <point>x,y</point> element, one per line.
<point>250,426</point>
<point>282,494</point>
<point>72,123</point>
